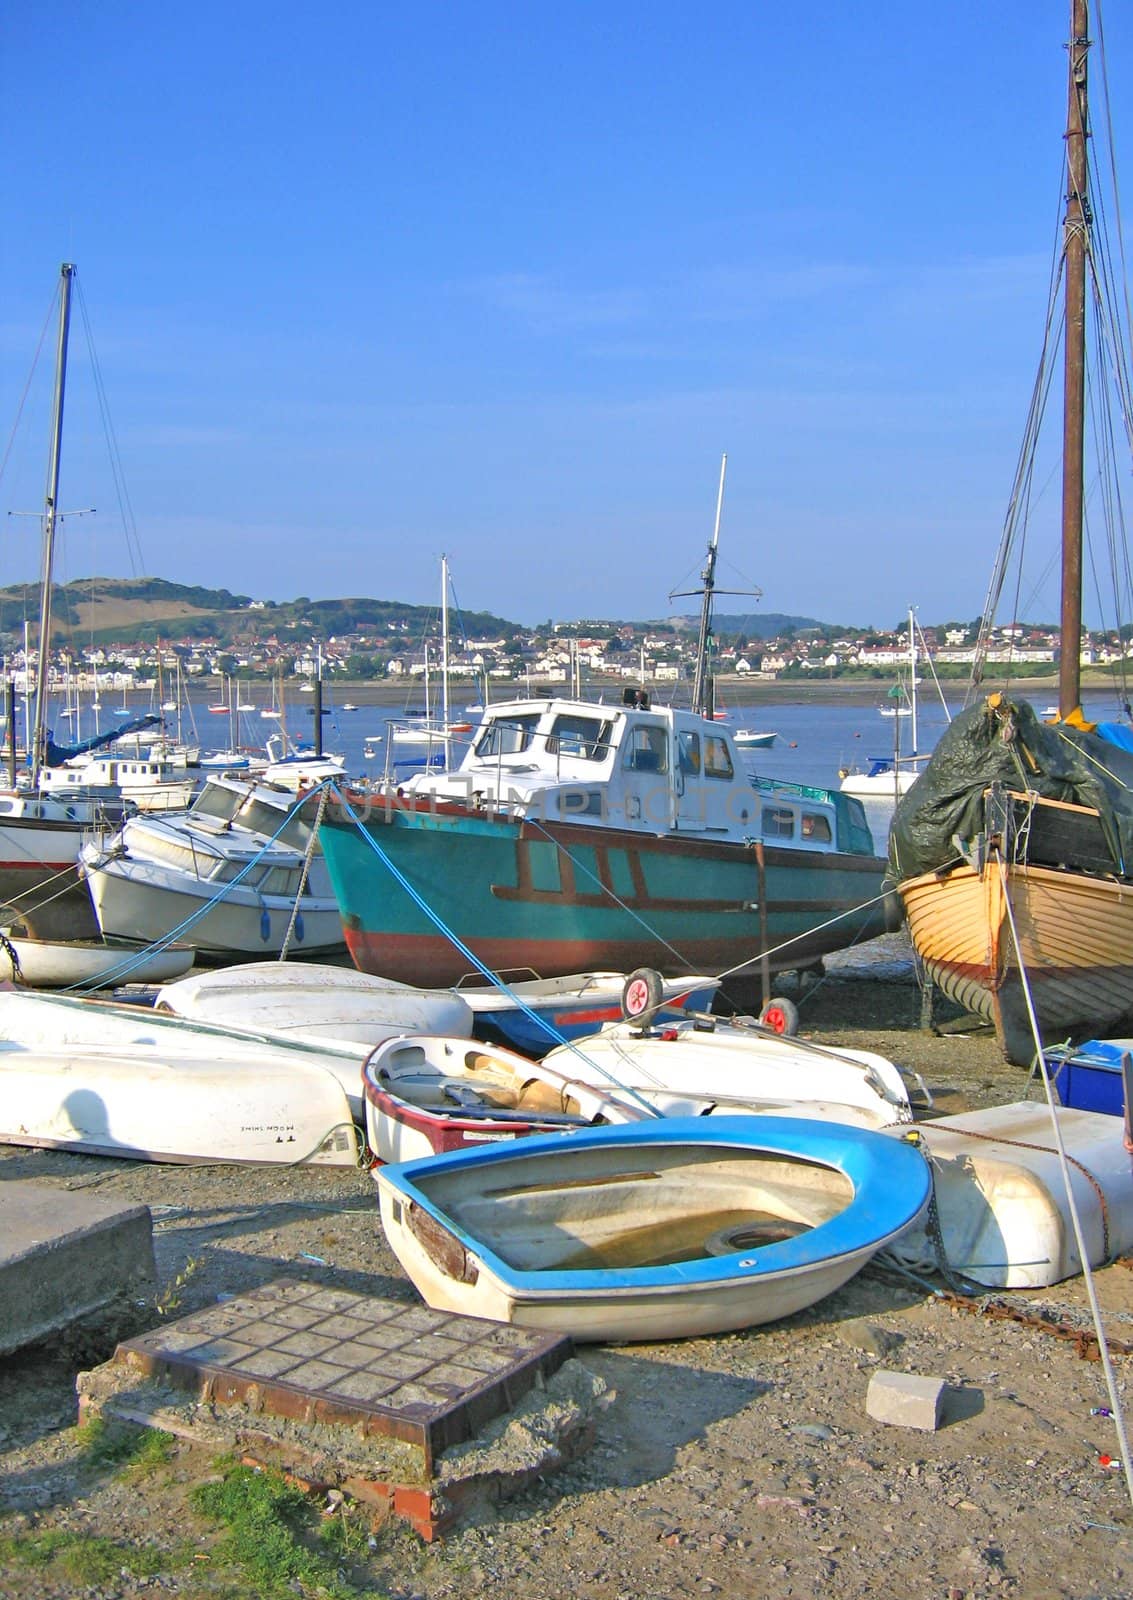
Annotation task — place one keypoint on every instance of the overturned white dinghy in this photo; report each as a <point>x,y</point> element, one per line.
<point>661,1229</point>
<point>84,1030</point>
<point>313,1001</point>
<point>1004,1218</point>
<point>716,1066</point>
<point>178,1109</point>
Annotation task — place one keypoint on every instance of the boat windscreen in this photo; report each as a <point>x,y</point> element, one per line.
<point>507,736</point>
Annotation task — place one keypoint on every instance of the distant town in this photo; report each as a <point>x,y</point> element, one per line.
<point>110,634</point>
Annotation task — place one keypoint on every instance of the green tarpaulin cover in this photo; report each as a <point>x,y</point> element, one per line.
<point>1003,741</point>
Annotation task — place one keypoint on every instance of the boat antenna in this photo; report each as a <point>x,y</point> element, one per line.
<point>1076,243</point>
<point>703,689</point>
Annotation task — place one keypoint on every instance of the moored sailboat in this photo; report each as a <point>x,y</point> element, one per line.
<point>41,833</point>
<point>1013,855</point>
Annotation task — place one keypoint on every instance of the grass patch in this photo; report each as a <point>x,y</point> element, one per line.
<point>139,1450</point>
<point>272,1533</point>
<point>86,1559</point>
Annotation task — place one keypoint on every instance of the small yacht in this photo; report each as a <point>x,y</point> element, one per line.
<point>236,875</point>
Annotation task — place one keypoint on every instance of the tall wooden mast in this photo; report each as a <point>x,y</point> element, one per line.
<point>1075,248</point>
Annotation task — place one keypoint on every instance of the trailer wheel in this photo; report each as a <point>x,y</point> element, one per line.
<point>643,995</point>
<point>781,1016</point>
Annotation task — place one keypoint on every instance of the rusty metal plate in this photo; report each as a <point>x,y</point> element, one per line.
<point>322,1355</point>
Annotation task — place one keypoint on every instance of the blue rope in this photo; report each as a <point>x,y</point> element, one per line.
<point>470,956</point>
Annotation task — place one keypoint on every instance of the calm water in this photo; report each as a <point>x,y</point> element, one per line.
<point>815,740</point>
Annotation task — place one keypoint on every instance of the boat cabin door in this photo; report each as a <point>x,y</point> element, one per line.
<point>690,797</point>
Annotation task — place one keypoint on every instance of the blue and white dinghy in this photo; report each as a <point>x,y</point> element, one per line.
<point>651,1230</point>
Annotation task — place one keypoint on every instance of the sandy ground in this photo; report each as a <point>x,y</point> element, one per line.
<point>744,1465</point>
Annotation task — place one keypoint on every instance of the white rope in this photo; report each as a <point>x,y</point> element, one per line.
<point>1071,1203</point>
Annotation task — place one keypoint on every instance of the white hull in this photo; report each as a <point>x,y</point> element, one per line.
<point>175,1109</point>
<point>138,899</point>
<point>52,1023</point>
<point>878,785</point>
<point>1004,1216</point>
<point>41,833</point>
<point>90,963</point>
<point>621,1317</point>
<point>656,1230</point>
<point>685,1067</point>
<point>309,1001</point>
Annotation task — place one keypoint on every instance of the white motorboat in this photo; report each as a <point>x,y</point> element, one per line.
<point>236,875</point>
<point>309,1000</point>
<point>661,1229</point>
<point>149,783</point>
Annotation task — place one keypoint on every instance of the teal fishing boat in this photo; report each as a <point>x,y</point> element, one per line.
<point>576,836</point>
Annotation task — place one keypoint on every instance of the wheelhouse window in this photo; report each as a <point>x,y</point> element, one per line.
<point>717,758</point>
<point>778,822</point>
<point>507,736</point>
<point>816,828</point>
<point>646,748</point>
<point>584,737</point>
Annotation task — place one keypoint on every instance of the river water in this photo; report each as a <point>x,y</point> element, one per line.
<point>815,740</point>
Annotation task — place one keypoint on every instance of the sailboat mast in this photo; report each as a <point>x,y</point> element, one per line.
<point>1075,246</point>
<point>444,640</point>
<point>38,744</point>
<point>702,696</point>
<point>913,679</point>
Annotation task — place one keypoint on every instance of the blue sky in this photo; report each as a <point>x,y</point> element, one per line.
<point>368,284</point>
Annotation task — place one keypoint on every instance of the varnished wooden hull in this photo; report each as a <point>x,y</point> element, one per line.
<point>1075,945</point>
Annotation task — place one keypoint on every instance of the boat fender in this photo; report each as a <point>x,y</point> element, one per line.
<point>781,1016</point>
<point>265,924</point>
<point>643,995</point>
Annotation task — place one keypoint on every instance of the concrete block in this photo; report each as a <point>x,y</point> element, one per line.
<point>906,1400</point>
<point>65,1256</point>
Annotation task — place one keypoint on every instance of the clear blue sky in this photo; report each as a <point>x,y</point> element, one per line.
<point>369,283</point>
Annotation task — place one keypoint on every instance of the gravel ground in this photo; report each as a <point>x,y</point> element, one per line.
<point>744,1465</point>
